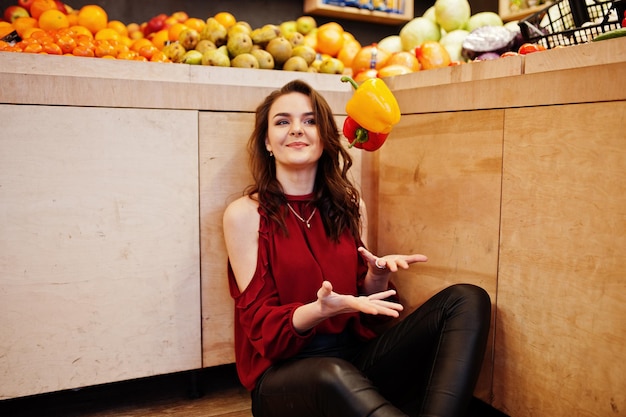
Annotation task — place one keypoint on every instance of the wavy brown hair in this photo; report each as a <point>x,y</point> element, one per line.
<point>334,195</point>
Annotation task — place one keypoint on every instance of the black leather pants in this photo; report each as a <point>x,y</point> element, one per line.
<point>426,365</point>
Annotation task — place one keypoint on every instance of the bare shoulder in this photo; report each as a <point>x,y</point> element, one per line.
<point>241,226</point>
<point>241,211</point>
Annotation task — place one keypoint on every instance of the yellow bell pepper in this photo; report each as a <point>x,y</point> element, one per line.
<point>373,106</point>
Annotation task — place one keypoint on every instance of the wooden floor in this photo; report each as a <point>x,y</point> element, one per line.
<point>213,392</point>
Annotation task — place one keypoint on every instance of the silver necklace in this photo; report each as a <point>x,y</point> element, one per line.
<point>308,225</point>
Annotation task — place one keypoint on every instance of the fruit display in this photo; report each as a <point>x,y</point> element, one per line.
<point>430,41</point>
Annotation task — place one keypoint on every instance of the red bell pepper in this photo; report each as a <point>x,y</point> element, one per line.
<point>361,138</point>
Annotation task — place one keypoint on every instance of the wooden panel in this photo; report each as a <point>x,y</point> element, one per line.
<point>99,270</point>
<point>440,179</point>
<point>57,80</point>
<point>224,174</point>
<point>562,284</point>
<point>585,55</point>
<point>474,71</point>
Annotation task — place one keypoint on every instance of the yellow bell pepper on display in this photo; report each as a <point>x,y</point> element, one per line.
<point>373,106</point>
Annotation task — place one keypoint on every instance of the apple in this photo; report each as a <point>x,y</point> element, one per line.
<point>180,16</point>
<point>25,4</point>
<point>155,24</point>
<point>13,12</point>
<point>61,6</point>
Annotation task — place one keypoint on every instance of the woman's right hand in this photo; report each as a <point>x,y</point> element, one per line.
<point>332,304</point>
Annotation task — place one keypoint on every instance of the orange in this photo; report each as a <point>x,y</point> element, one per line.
<point>348,52</point>
<point>28,33</point>
<point>22,23</point>
<point>365,75</point>
<point>3,45</point>
<point>41,35</point>
<point>84,50</point>
<point>52,48</point>
<point>118,26</point>
<point>148,51</point>
<point>432,54</point>
<point>174,30</point>
<point>139,43</point>
<point>330,38</point>
<point>5,30</point>
<point>195,23</point>
<point>159,56</point>
<point>81,30</point>
<point>53,19</point>
<point>127,55</point>
<point>405,58</point>
<point>104,48</point>
<point>107,33</point>
<point>72,17</point>
<point>39,6</point>
<point>85,41</point>
<point>160,38</point>
<point>93,17</point>
<point>33,48</point>
<point>226,19</point>
<point>180,16</point>
<point>370,57</point>
<point>347,37</point>
<point>67,43</point>
<point>394,69</point>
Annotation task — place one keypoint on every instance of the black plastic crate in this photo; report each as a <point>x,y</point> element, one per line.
<point>571,22</point>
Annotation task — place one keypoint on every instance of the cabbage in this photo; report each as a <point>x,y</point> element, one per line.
<point>430,14</point>
<point>452,14</point>
<point>483,19</point>
<point>418,30</point>
<point>453,42</point>
<point>391,43</point>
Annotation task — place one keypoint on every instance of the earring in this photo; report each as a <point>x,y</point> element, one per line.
<point>271,153</point>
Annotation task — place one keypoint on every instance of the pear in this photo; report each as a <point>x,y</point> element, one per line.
<point>287,27</point>
<point>174,51</point>
<point>280,48</point>
<point>204,45</point>
<point>189,38</point>
<point>245,60</point>
<point>331,65</point>
<point>263,35</point>
<point>266,60</point>
<point>295,63</point>
<point>306,52</point>
<point>192,57</point>
<point>214,31</point>
<point>239,43</point>
<point>295,38</point>
<point>240,26</point>
<point>216,57</point>
<point>305,24</point>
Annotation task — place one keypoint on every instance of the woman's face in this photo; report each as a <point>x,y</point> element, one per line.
<point>292,132</point>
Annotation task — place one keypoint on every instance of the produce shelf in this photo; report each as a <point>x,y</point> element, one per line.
<point>318,7</point>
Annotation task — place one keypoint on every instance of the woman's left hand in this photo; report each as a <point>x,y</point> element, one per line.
<point>390,263</point>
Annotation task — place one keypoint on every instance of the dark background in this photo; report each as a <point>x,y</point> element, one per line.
<point>257,13</point>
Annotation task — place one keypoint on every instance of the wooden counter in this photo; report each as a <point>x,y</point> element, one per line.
<point>507,174</point>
